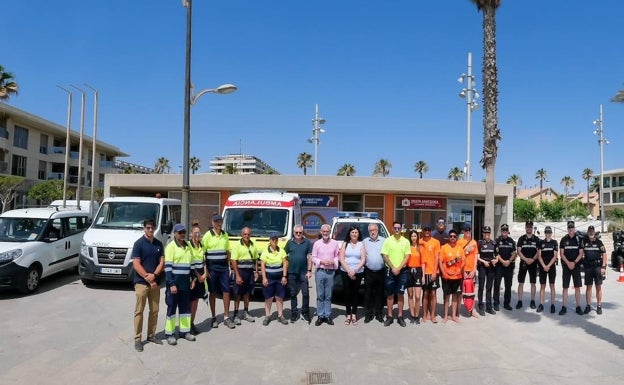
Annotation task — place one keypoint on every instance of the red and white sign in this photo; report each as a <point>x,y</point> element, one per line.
<point>260,203</point>
<point>424,203</point>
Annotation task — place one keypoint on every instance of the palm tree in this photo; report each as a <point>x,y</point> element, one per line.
<point>515,181</point>
<point>587,174</point>
<point>567,183</point>
<point>456,173</point>
<point>541,175</point>
<point>347,169</point>
<point>194,164</point>
<point>421,168</point>
<point>162,166</point>
<point>595,185</point>
<point>491,133</point>
<point>305,161</point>
<point>7,85</point>
<point>230,168</point>
<point>382,167</point>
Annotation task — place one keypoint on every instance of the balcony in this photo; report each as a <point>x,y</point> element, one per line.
<point>56,154</point>
<point>55,176</point>
<point>106,164</point>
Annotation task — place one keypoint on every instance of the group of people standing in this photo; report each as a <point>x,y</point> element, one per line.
<point>421,261</point>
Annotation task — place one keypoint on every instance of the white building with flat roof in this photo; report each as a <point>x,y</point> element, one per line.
<point>240,164</point>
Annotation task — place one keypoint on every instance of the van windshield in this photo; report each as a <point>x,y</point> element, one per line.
<point>261,221</point>
<point>124,215</point>
<point>21,229</point>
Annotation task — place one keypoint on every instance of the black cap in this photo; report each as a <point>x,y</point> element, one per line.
<point>426,228</point>
<point>273,234</point>
<point>570,224</point>
<point>452,231</point>
<point>217,218</point>
<point>504,227</point>
<point>591,228</point>
<point>466,227</point>
<point>487,229</point>
<point>548,229</point>
<point>528,224</point>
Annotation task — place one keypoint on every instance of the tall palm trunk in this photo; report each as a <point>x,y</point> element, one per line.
<point>491,133</point>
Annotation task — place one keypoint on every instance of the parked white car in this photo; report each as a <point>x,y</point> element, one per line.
<point>38,242</point>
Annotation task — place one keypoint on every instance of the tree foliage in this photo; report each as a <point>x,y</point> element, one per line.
<point>8,86</point>
<point>382,167</point>
<point>421,168</point>
<point>304,162</point>
<point>8,189</point>
<point>46,191</point>
<point>552,211</point>
<point>524,210</point>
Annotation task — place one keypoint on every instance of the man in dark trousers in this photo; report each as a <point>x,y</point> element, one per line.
<point>571,252</point>
<point>486,266</point>
<point>505,249</point>
<point>299,252</point>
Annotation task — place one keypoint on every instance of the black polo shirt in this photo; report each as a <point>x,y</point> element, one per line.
<point>149,253</point>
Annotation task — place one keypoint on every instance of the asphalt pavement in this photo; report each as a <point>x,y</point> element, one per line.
<point>67,333</point>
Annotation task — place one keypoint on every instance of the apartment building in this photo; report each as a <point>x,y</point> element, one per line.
<point>613,190</point>
<point>35,148</point>
<point>240,164</point>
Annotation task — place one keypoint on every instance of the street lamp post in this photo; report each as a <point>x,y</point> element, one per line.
<point>82,116</point>
<point>470,94</point>
<point>601,142</point>
<point>190,99</point>
<point>316,122</point>
<point>93,149</point>
<point>67,144</point>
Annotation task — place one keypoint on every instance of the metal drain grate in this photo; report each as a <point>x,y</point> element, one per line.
<point>315,378</point>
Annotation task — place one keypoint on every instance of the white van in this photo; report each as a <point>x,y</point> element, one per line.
<point>85,205</point>
<point>107,245</point>
<point>38,242</point>
<point>264,213</point>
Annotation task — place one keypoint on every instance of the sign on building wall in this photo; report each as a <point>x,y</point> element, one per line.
<point>316,210</point>
<point>424,203</point>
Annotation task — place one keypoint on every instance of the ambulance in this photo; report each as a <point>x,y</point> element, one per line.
<point>264,213</point>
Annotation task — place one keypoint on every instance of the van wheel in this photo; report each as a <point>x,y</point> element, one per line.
<point>31,280</point>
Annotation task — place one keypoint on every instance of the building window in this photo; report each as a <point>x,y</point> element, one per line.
<point>43,146</point>
<point>620,181</point>
<point>606,182</point>
<point>20,138</point>
<point>42,170</point>
<point>4,133</point>
<point>19,165</point>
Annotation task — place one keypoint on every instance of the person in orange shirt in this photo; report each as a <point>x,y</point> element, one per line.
<point>470,252</point>
<point>429,254</point>
<point>415,276</point>
<point>452,260</point>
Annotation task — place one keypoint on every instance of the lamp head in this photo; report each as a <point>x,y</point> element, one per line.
<point>461,78</point>
<point>322,121</point>
<point>462,94</point>
<point>226,89</point>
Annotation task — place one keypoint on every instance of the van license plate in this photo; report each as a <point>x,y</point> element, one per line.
<point>107,270</point>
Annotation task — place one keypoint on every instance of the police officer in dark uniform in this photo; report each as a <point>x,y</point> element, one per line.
<point>547,258</point>
<point>571,253</point>
<point>595,263</point>
<point>528,245</point>
<point>505,250</point>
<point>486,267</point>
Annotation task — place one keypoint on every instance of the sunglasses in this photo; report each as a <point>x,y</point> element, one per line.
<point>452,236</point>
<point>397,228</point>
<point>298,232</point>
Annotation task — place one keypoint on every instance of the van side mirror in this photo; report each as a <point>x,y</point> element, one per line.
<point>167,227</point>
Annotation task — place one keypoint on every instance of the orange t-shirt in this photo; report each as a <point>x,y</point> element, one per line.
<point>452,254</point>
<point>428,251</point>
<point>470,256</point>
<point>414,258</point>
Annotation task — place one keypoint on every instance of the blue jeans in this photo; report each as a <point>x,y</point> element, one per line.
<point>296,282</point>
<point>324,285</point>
